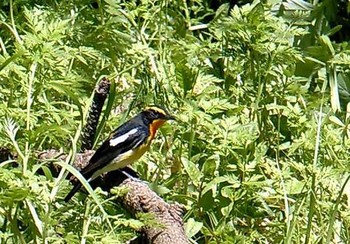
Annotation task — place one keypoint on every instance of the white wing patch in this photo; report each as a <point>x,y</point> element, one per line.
<point>122,138</point>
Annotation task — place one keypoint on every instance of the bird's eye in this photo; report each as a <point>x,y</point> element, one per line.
<point>156,114</point>
<point>152,114</point>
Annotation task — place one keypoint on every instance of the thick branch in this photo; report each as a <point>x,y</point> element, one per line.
<point>100,95</point>
<point>139,199</point>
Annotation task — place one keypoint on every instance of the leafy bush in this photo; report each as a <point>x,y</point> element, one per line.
<point>260,149</point>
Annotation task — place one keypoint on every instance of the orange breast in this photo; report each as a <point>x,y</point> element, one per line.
<point>154,127</point>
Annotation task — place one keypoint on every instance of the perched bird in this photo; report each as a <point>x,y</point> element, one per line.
<point>125,145</point>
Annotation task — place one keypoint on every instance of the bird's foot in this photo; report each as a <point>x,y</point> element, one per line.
<point>132,177</point>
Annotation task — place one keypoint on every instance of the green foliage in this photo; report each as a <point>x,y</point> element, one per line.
<point>259,151</point>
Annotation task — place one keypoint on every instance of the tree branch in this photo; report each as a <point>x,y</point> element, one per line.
<point>100,95</point>
<point>139,199</point>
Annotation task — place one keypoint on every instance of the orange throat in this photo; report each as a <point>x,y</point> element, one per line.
<point>154,127</point>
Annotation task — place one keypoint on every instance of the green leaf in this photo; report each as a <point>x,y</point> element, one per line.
<point>67,90</point>
<point>210,165</point>
<point>192,227</point>
<point>160,190</point>
<point>326,42</point>
<point>185,76</point>
<point>295,186</point>
<point>212,185</point>
<point>226,211</point>
<point>35,217</point>
<point>297,5</point>
<point>192,171</point>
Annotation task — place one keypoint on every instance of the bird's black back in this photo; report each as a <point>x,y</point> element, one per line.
<point>106,153</point>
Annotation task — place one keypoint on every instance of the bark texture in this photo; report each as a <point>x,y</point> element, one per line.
<point>141,199</point>
<point>100,95</point>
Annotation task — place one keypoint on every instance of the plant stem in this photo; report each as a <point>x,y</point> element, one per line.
<point>29,104</point>
<point>313,178</point>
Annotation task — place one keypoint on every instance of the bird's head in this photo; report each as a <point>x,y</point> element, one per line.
<point>157,113</point>
<point>156,116</point>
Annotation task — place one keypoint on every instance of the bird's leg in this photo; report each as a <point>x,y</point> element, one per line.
<point>132,177</point>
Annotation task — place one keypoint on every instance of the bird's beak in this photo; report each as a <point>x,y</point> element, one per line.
<point>170,117</point>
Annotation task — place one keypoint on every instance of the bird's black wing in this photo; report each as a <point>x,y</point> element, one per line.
<point>107,152</point>
<point>124,140</point>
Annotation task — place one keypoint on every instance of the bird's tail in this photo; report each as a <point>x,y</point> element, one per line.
<point>76,188</point>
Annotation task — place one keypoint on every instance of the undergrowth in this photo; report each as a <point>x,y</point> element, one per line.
<point>259,151</point>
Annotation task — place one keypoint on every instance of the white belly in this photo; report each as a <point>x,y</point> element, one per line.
<point>121,161</point>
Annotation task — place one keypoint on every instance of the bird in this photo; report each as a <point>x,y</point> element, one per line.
<point>125,145</point>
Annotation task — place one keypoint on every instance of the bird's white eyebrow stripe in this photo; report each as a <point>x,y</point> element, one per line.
<point>122,138</point>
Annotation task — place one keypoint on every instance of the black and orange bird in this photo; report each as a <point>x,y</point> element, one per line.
<point>125,145</point>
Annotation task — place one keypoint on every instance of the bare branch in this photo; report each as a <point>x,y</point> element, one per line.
<point>88,134</point>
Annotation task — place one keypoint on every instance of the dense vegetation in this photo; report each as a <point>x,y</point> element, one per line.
<point>260,150</point>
